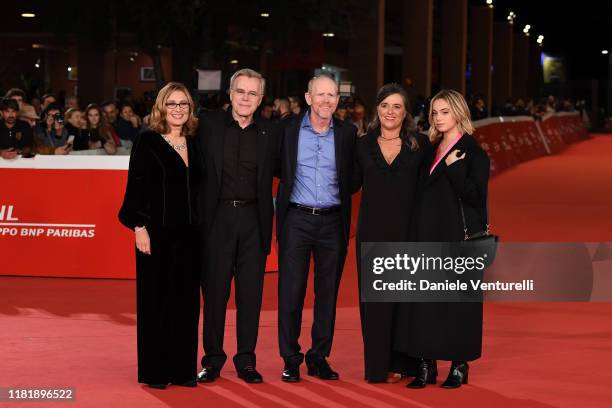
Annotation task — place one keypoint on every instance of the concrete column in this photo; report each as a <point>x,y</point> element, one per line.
<point>535,79</point>
<point>520,65</point>
<point>367,48</point>
<point>482,51</point>
<point>417,45</point>
<point>454,44</point>
<point>502,62</point>
<point>92,70</point>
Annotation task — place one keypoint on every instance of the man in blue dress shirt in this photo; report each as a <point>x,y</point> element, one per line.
<point>313,219</point>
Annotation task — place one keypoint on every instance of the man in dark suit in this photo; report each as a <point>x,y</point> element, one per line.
<point>313,218</point>
<point>240,156</point>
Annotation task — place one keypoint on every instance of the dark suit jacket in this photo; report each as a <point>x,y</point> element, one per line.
<point>344,144</point>
<point>211,131</point>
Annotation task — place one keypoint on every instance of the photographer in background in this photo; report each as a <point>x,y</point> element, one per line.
<point>52,137</point>
<point>15,135</point>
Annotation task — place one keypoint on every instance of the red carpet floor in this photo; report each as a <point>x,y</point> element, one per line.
<point>81,332</point>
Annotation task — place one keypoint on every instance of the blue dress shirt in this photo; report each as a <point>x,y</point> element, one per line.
<point>316,178</point>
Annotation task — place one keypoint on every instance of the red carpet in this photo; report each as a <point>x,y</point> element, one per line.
<point>81,332</point>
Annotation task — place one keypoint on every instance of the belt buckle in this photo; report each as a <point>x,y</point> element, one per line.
<point>235,203</point>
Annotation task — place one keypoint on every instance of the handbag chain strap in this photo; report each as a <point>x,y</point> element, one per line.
<point>465,230</point>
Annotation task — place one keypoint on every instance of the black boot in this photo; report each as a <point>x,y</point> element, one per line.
<point>458,375</point>
<point>428,371</point>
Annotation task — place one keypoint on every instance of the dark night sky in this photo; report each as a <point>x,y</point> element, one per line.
<point>576,30</point>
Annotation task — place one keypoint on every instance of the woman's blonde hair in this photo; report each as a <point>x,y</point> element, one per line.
<point>157,119</point>
<point>459,109</point>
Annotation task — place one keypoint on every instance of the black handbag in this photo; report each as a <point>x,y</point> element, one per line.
<point>480,244</point>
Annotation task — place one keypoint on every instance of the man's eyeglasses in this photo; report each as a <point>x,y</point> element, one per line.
<point>250,94</point>
<point>174,105</point>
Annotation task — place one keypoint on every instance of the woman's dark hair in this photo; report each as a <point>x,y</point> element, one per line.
<point>406,132</point>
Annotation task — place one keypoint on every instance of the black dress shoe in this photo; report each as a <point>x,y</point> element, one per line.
<point>320,368</point>
<point>157,386</point>
<point>208,374</point>
<point>250,375</point>
<point>427,374</point>
<point>291,373</point>
<point>457,375</point>
<point>188,383</point>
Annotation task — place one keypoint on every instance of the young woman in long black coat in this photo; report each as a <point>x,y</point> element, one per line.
<point>457,173</point>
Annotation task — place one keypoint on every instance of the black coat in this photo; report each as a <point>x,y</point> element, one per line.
<point>161,191</point>
<point>448,331</point>
<point>345,135</point>
<point>211,132</point>
<point>439,211</point>
<point>162,194</point>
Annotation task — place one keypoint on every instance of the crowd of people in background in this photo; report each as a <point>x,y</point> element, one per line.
<point>46,126</point>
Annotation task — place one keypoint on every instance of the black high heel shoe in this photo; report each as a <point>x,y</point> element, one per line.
<point>428,373</point>
<point>457,375</point>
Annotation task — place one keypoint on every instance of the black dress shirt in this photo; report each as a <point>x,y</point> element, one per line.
<point>239,161</point>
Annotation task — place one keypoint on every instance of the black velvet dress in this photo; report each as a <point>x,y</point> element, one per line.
<point>162,194</point>
<point>386,215</point>
<point>448,331</point>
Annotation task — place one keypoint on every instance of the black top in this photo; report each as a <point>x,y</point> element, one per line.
<point>212,138</point>
<point>125,130</point>
<point>239,161</point>
<point>17,137</point>
<point>93,135</point>
<point>80,137</point>
<point>388,194</point>
<point>161,191</point>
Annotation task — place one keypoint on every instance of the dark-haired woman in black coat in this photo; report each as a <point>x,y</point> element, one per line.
<point>387,162</point>
<point>456,174</point>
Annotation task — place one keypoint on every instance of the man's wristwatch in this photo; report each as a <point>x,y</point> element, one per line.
<point>137,229</point>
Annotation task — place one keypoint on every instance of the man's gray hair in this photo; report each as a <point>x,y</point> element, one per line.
<point>319,76</point>
<point>250,73</point>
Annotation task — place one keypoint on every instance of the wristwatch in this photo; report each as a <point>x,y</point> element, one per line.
<point>137,229</point>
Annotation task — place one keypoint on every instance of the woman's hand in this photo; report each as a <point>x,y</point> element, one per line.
<point>453,157</point>
<point>143,242</point>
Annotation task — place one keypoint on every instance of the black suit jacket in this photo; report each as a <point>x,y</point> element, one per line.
<point>345,135</point>
<point>211,131</point>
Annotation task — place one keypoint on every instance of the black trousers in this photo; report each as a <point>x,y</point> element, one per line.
<point>233,251</point>
<point>322,237</point>
<point>168,306</point>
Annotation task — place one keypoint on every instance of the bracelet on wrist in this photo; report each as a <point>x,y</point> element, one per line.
<point>137,229</point>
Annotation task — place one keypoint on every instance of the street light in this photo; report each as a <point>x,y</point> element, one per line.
<point>511,17</point>
<point>490,3</point>
<point>265,15</point>
<point>526,29</point>
<point>329,35</point>
<point>28,15</point>
<point>604,52</point>
<point>540,39</point>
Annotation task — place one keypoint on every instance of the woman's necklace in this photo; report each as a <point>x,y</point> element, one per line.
<point>388,138</point>
<point>178,147</point>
